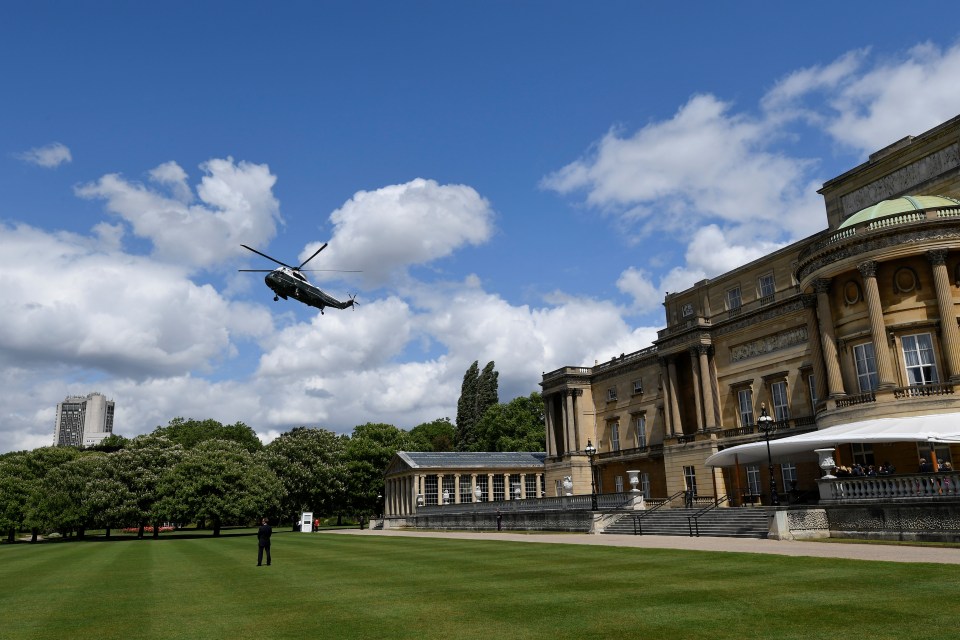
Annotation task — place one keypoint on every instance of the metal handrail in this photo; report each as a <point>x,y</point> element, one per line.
<point>637,527</point>
<point>693,521</point>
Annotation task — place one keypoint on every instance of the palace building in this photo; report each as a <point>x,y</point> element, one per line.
<point>847,340</point>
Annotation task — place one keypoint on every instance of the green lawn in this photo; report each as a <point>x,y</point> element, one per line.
<point>332,586</point>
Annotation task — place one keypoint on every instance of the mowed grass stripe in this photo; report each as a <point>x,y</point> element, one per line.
<point>335,586</point>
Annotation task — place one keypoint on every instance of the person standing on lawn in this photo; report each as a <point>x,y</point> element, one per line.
<point>263,541</point>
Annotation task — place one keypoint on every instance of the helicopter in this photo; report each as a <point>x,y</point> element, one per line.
<point>287,282</point>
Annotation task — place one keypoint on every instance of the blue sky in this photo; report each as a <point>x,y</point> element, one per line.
<point>519,182</point>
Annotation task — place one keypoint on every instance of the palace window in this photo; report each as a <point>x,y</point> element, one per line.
<point>863,454</point>
<point>466,492</point>
<point>918,357</point>
<point>753,480</point>
<point>449,489</point>
<point>733,300</point>
<point>515,489</point>
<point>778,391</point>
<point>637,387</point>
<point>789,476</point>
<point>611,394</point>
<point>619,484</point>
<point>813,392</point>
<point>644,485</point>
<point>866,361</point>
<point>430,490</point>
<point>640,424</point>
<point>498,487</point>
<point>767,288</point>
<point>483,482</point>
<point>745,400</point>
<point>615,436</point>
<point>690,479</point>
<point>531,480</point>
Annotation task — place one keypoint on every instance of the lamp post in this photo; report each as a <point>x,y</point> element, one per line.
<point>767,425</point>
<point>591,451</point>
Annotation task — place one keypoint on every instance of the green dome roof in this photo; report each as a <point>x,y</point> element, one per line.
<point>903,204</point>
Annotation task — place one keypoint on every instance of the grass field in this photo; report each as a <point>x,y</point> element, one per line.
<point>333,586</point>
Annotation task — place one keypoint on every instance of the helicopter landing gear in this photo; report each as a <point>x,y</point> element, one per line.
<point>276,298</point>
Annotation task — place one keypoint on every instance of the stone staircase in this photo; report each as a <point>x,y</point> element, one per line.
<point>724,522</point>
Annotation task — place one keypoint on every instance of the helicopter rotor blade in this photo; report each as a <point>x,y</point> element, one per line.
<point>258,270</point>
<point>312,257</point>
<point>260,253</point>
<point>335,270</point>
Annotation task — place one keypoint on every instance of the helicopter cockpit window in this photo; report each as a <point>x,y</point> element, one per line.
<point>300,277</point>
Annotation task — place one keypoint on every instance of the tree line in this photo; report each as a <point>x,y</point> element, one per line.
<point>210,475</point>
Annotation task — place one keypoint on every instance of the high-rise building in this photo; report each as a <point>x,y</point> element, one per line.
<point>83,421</point>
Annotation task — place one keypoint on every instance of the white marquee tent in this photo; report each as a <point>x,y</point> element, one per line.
<point>934,428</point>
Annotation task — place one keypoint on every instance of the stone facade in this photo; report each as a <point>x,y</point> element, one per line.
<point>856,322</point>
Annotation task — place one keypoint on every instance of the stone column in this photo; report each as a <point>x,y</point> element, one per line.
<point>548,420</point>
<point>948,317</point>
<point>473,487</point>
<point>456,489</point>
<point>697,386</point>
<point>674,404</point>
<point>828,339</point>
<point>539,487</point>
<point>878,330</point>
<point>816,350</point>
<point>706,382</point>
<point>490,487</point>
<point>523,486</point>
<point>568,421</point>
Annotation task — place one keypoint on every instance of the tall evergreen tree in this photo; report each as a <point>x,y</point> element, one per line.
<point>467,408</point>
<point>488,392</point>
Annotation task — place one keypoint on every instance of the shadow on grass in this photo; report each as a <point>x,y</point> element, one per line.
<point>178,534</point>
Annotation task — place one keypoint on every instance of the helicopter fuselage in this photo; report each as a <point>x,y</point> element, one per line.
<point>287,283</point>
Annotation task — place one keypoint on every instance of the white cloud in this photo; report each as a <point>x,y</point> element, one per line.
<point>236,206</point>
<point>897,98</point>
<point>49,156</point>
<point>70,302</point>
<point>382,232</point>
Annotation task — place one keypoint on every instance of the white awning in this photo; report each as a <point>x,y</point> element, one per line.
<point>940,427</point>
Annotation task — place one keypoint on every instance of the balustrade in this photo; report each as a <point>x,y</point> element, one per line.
<point>925,485</point>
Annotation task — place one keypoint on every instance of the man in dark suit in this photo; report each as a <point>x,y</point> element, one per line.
<point>263,540</point>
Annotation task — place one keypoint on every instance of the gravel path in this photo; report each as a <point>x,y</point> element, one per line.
<point>851,551</point>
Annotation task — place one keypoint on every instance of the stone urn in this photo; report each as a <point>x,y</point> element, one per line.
<point>634,480</point>
<point>826,462</point>
<point>567,486</point>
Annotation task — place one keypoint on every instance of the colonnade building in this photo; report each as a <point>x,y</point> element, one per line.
<point>430,478</point>
<point>854,324</point>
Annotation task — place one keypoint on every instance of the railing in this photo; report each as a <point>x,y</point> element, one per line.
<point>923,390</point>
<point>623,453</point>
<point>789,424</point>
<point>863,398</point>
<point>605,502</point>
<point>693,521</point>
<point>637,520</point>
<point>613,362</point>
<point>924,485</point>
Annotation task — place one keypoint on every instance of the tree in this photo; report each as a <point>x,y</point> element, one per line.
<point>62,502</point>
<point>478,392</point>
<point>190,433</point>
<point>15,490</point>
<point>433,436</point>
<point>219,481</point>
<point>139,468</point>
<point>311,466</point>
<point>466,407</point>
<point>488,391</point>
<point>369,451</point>
<point>35,466</point>
<point>515,426</point>
<point>111,443</point>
